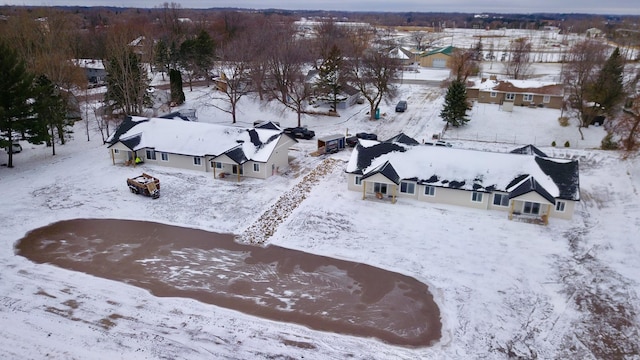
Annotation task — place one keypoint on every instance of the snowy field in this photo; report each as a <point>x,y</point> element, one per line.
<point>505,288</point>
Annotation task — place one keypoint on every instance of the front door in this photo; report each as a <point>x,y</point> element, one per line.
<point>237,168</point>
<point>380,188</point>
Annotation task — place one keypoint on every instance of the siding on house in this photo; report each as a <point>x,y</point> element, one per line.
<point>524,175</point>
<point>548,95</point>
<point>184,141</point>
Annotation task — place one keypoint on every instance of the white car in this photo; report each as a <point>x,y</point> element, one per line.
<point>15,148</point>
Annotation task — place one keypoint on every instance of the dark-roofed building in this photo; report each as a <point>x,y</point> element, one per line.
<point>223,150</point>
<point>525,183</point>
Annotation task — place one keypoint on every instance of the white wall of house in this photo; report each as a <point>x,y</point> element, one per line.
<point>464,197</point>
<point>187,162</point>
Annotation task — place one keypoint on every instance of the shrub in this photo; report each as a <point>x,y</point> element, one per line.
<point>553,143</point>
<point>608,143</point>
<point>566,144</point>
<point>564,121</point>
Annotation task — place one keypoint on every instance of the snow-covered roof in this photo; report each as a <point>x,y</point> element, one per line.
<point>519,86</point>
<point>89,63</point>
<point>468,169</point>
<point>195,138</point>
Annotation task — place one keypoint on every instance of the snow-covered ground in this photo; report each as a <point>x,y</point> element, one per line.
<point>566,290</point>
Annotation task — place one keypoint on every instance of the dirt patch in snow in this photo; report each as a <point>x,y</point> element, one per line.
<point>272,282</point>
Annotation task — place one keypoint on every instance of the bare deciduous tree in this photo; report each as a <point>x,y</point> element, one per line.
<point>463,64</point>
<point>372,72</point>
<point>235,73</point>
<point>583,63</point>
<point>518,64</point>
<point>418,38</point>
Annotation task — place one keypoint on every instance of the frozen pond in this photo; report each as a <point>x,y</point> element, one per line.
<point>272,282</point>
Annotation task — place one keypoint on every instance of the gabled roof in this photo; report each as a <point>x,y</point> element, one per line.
<point>386,170</point>
<point>403,139</point>
<point>236,154</point>
<point>520,86</point>
<point>197,139</point>
<point>447,50</point>
<point>468,169</point>
<point>529,150</point>
<point>531,185</point>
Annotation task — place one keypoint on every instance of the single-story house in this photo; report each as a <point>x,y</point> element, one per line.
<point>530,93</point>
<point>437,58</point>
<point>224,150</point>
<point>524,184</point>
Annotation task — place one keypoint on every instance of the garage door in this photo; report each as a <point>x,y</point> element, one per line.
<point>439,63</point>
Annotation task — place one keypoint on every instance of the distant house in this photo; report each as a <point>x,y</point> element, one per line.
<point>437,58</point>
<point>224,150</point>
<point>524,184</point>
<point>593,33</point>
<point>517,93</point>
<point>94,70</point>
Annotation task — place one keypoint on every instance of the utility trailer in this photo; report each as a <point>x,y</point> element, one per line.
<point>145,184</point>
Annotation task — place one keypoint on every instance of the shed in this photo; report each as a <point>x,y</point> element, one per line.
<point>331,144</point>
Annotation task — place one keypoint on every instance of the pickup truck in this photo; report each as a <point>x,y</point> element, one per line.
<point>300,132</point>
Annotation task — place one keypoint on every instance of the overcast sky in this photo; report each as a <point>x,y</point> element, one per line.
<point>625,7</point>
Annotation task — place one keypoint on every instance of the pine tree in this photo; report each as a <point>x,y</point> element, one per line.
<point>329,83</point>
<point>51,114</point>
<point>15,91</point>
<point>455,105</point>
<point>608,89</point>
<point>175,81</point>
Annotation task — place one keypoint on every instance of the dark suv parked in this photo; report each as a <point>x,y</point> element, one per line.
<point>402,106</point>
<point>353,140</point>
<point>300,132</point>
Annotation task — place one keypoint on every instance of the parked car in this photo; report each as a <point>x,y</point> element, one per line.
<point>439,143</point>
<point>15,148</point>
<point>353,140</point>
<point>300,132</point>
<point>402,106</point>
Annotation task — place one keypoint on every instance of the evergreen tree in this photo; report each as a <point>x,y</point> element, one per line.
<point>51,114</point>
<point>127,83</point>
<point>329,83</point>
<point>162,57</point>
<point>175,81</point>
<point>608,90</point>
<point>455,105</point>
<point>15,92</point>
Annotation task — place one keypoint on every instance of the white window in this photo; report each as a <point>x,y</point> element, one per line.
<point>527,97</point>
<point>560,206</point>
<point>493,94</point>
<point>510,96</point>
<point>546,99</point>
<point>358,180</point>
<point>151,154</point>
<point>501,199</point>
<point>218,165</point>
<point>531,208</point>
<point>164,156</point>
<point>430,190</point>
<point>380,188</point>
<point>407,187</point>
<point>476,196</point>
<point>115,151</point>
<point>197,160</point>
<point>256,167</point>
